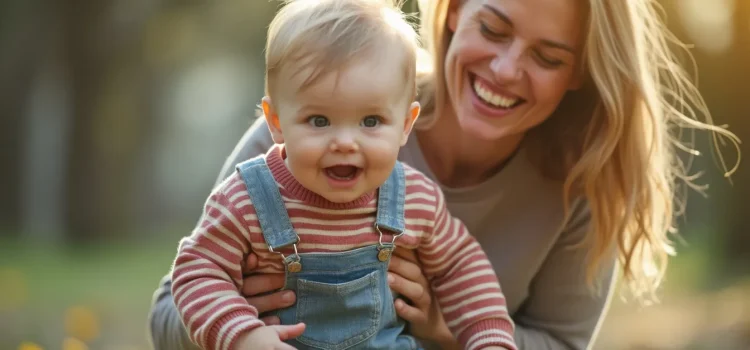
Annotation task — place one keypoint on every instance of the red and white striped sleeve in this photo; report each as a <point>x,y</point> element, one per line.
<point>207,272</point>
<point>464,282</point>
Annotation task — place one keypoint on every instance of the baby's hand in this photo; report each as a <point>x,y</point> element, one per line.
<point>269,338</point>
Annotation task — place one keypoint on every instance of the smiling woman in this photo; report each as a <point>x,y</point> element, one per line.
<point>548,125</point>
<point>593,90</point>
<point>512,64</point>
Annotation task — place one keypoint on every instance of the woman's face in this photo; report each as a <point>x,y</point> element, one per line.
<point>510,62</point>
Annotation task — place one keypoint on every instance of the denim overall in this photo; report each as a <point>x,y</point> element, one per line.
<point>343,298</point>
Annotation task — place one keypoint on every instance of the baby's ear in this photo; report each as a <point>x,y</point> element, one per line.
<point>411,118</point>
<point>272,119</point>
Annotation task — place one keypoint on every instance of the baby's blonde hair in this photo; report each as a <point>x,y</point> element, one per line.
<point>614,141</point>
<point>326,35</point>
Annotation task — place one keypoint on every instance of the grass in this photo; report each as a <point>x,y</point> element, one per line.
<point>97,296</point>
<point>99,292</point>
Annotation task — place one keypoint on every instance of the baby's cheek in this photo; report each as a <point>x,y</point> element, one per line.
<point>382,159</point>
<point>299,144</point>
<point>301,157</point>
<point>386,149</point>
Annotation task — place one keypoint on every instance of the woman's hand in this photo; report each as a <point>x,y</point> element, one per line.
<point>255,288</point>
<point>426,320</point>
<point>405,277</point>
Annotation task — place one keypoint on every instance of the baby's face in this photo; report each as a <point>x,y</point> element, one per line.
<point>343,133</point>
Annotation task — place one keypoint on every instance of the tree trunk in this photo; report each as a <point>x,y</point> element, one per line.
<point>20,33</point>
<point>108,120</point>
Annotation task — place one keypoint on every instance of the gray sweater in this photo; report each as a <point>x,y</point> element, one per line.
<point>516,217</point>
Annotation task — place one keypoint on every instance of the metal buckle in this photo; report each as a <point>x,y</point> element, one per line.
<point>384,252</point>
<point>293,266</point>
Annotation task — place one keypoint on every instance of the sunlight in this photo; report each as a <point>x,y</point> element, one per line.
<point>708,24</point>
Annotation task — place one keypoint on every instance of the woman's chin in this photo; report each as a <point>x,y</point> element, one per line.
<point>482,130</point>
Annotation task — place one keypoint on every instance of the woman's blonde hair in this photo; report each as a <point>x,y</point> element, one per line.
<point>614,141</point>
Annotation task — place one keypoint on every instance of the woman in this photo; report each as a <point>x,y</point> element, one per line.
<point>547,123</point>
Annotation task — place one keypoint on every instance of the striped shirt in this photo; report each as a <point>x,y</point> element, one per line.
<point>207,273</point>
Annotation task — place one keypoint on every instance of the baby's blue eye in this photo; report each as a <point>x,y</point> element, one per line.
<point>318,121</point>
<point>371,121</point>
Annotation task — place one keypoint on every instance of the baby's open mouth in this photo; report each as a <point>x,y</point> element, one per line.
<point>343,172</point>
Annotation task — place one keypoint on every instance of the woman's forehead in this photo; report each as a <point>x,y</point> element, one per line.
<point>554,20</point>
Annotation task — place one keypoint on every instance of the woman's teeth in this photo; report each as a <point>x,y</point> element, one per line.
<point>492,98</point>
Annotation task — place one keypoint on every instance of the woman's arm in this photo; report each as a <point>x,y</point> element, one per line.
<point>166,329</point>
<point>256,141</point>
<point>561,312</point>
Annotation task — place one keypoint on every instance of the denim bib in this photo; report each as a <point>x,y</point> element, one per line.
<point>343,297</point>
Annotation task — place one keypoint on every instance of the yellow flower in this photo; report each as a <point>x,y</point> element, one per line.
<point>82,323</point>
<point>74,344</point>
<point>29,346</point>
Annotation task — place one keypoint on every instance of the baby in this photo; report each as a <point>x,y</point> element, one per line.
<point>328,204</point>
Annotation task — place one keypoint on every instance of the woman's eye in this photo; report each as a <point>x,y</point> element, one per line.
<point>318,121</point>
<point>549,62</point>
<point>371,121</point>
<point>490,33</point>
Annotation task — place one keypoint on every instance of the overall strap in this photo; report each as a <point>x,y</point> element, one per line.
<point>269,206</point>
<point>391,198</point>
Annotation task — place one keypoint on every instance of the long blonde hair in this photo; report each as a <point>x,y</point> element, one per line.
<point>614,141</point>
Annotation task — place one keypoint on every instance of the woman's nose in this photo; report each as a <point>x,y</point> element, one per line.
<point>506,66</point>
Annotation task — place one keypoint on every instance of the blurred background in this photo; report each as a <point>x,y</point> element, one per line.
<point>117,115</point>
